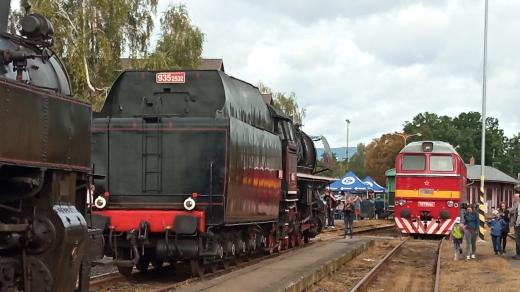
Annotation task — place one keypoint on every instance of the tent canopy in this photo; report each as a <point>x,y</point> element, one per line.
<point>372,185</point>
<point>349,182</point>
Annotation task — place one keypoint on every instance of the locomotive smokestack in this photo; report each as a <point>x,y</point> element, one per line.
<point>5,6</point>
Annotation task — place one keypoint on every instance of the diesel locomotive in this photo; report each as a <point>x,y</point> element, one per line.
<point>429,182</point>
<point>44,164</point>
<point>195,166</point>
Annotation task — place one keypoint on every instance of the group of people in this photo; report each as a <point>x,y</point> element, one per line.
<point>350,205</point>
<point>499,225</point>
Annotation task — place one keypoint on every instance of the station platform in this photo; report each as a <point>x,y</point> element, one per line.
<point>488,272</point>
<point>292,271</point>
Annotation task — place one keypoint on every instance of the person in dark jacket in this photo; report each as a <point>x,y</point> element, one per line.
<point>331,207</point>
<point>348,216</point>
<point>497,224</point>
<point>471,226</point>
<point>504,214</point>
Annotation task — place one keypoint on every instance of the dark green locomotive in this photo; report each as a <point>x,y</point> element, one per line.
<point>44,164</point>
<point>197,166</point>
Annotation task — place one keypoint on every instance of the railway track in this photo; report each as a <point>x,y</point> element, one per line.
<point>170,278</point>
<point>412,265</point>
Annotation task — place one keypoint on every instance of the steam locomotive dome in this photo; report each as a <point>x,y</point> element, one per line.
<point>43,69</point>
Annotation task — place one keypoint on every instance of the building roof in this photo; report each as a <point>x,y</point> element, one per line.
<point>211,64</point>
<point>390,172</point>
<point>491,174</point>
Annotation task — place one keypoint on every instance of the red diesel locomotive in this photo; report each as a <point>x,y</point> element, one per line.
<point>430,180</point>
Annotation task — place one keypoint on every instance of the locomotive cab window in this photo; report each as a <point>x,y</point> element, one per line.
<point>413,162</point>
<point>441,163</point>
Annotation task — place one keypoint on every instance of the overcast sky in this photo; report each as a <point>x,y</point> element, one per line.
<point>376,62</point>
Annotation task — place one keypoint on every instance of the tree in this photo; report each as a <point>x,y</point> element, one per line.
<point>286,102</point>
<point>180,44</point>
<point>92,35</point>
<point>464,133</point>
<point>380,155</point>
<point>357,162</point>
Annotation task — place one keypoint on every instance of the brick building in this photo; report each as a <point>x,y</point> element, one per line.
<point>499,187</point>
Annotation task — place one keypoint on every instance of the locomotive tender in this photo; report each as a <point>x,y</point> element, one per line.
<point>197,167</point>
<point>44,164</point>
<point>430,180</point>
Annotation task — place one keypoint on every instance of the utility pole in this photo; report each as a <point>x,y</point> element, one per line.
<point>346,158</point>
<point>482,208</point>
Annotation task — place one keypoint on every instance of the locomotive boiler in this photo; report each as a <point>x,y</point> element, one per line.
<point>197,167</point>
<point>44,163</point>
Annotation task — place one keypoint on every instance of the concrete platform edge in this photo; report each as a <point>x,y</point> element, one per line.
<point>305,281</point>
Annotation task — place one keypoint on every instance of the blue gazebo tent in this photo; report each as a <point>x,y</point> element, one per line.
<point>372,185</point>
<point>348,183</point>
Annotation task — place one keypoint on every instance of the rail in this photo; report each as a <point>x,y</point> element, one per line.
<point>367,279</point>
<point>100,280</point>
<point>436,287</point>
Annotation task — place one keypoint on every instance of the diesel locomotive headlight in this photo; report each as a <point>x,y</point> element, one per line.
<point>100,202</point>
<point>189,204</point>
<point>402,202</point>
<point>450,203</point>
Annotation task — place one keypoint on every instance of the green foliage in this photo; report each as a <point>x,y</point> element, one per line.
<point>92,35</point>
<point>286,102</point>
<point>357,162</point>
<point>380,156</point>
<point>464,133</point>
<point>180,44</point>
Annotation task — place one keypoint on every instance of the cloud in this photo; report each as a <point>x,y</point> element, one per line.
<point>377,63</point>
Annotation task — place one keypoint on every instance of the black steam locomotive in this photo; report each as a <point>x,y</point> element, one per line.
<point>44,163</point>
<point>198,167</point>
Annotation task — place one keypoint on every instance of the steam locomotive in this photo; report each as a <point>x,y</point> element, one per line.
<point>44,164</point>
<point>197,166</point>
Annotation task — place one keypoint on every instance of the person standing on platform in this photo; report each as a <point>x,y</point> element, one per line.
<point>348,216</point>
<point>497,224</point>
<point>504,214</point>
<point>516,221</point>
<point>331,207</point>
<point>471,225</point>
<point>357,207</point>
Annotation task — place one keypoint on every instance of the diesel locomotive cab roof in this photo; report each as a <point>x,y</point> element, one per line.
<point>189,93</point>
<point>438,147</point>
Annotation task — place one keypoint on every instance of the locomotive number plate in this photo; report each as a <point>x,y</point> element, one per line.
<point>426,204</point>
<point>170,77</point>
<point>426,192</point>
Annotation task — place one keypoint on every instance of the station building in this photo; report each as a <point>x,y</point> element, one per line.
<point>498,186</point>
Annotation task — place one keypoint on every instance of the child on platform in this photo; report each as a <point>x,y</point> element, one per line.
<point>457,233</point>
<point>497,224</point>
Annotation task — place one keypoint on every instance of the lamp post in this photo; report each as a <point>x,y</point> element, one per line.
<point>405,136</point>
<point>346,158</point>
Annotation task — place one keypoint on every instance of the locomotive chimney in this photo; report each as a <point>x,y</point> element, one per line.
<point>4,14</point>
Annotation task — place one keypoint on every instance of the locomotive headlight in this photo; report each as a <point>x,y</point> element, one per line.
<point>100,202</point>
<point>189,204</point>
<point>402,202</point>
<point>450,203</point>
